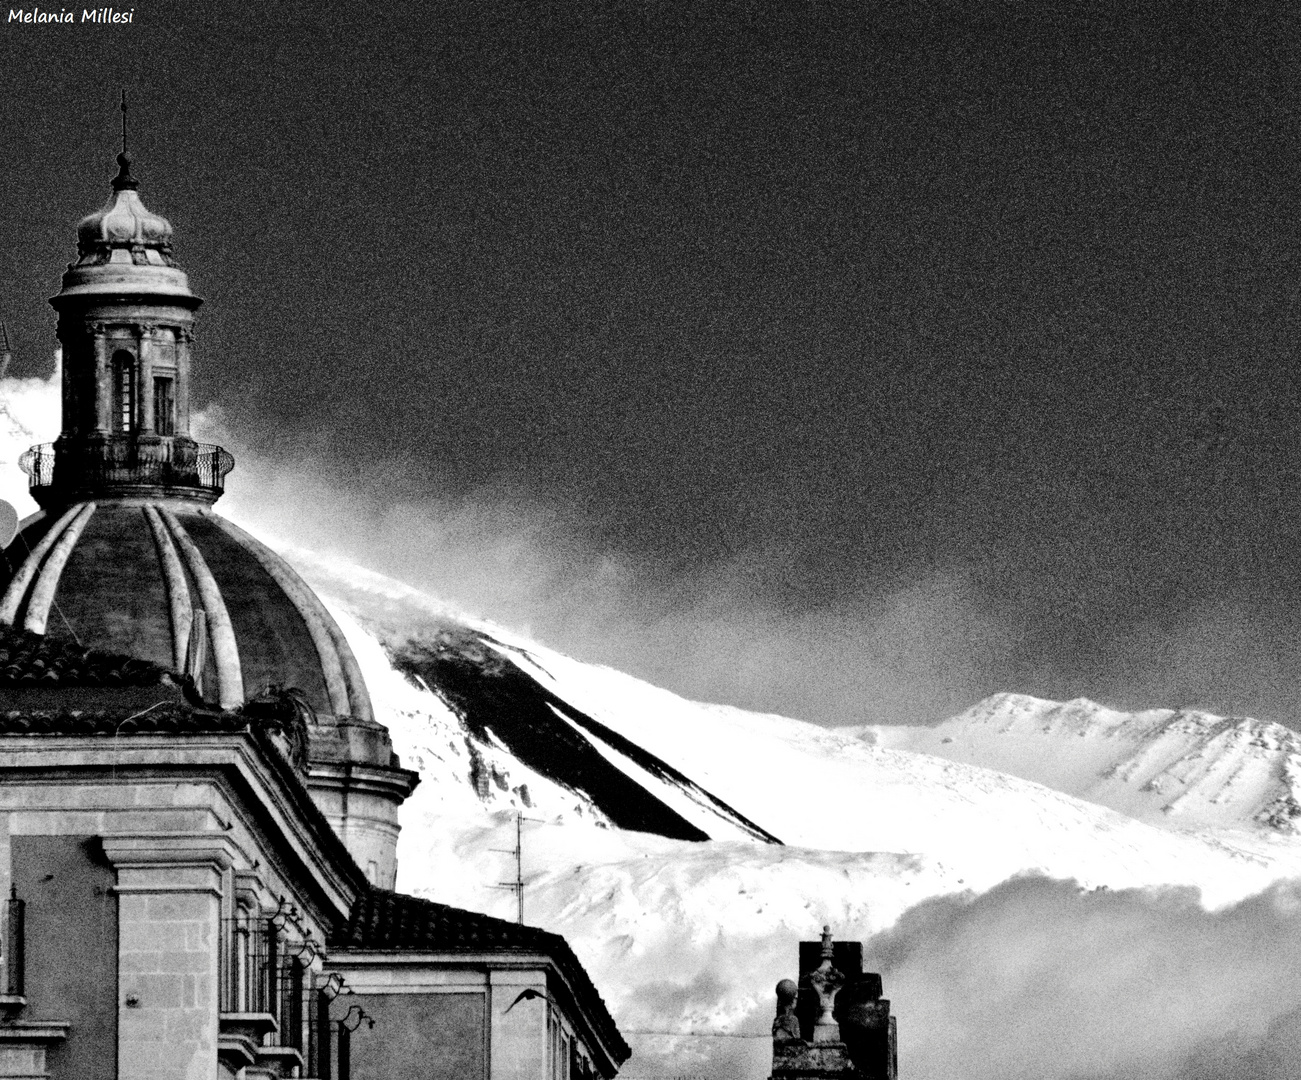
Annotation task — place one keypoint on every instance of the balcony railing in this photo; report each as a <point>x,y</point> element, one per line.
<point>264,989</point>
<point>118,462</point>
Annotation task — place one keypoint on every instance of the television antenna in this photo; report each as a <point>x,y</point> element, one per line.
<point>516,886</point>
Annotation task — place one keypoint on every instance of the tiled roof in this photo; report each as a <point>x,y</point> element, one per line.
<point>169,718</point>
<point>36,660</point>
<point>388,921</point>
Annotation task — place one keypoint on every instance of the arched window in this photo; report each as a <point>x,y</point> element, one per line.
<point>124,391</point>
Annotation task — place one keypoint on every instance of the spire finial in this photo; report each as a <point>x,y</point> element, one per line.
<point>124,180</point>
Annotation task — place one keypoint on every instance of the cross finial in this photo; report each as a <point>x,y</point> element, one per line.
<point>124,181</point>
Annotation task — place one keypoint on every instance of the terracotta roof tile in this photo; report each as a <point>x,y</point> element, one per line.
<point>28,659</point>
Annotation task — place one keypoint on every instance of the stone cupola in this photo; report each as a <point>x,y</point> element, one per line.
<point>126,322</point>
<point>127,555</point>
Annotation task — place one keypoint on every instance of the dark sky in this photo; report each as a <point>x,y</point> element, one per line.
<point>832,308</point>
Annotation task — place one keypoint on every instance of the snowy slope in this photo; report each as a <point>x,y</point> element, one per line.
<point>731,774</point>
<point>1174,768</point>
<point>686,938</point>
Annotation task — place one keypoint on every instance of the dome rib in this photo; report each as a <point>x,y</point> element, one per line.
<point>38,604</point>
<point>13,597</point>
<point>225,650</point>
<point>343,680</point>
<point>137,573</point>
<point>179,605</point>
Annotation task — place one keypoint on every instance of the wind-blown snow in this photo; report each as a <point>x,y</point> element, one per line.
<point>686,940</point>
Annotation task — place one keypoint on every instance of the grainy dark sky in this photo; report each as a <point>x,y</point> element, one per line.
<point>829,305</point>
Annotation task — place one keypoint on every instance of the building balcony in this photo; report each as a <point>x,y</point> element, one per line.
<point>88,467</point>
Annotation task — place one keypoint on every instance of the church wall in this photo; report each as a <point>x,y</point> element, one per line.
<point>72,941</point>
<point>436,1036</point>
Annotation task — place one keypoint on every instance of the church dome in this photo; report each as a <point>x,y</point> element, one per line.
<point>178,585</point>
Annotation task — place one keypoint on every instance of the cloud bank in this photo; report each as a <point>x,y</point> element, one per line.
<point>1036,979</point>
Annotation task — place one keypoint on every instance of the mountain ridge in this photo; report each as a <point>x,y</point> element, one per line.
<point>1176,768</point>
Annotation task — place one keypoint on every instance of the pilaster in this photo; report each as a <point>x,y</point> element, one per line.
<point>169,917</point>
<point>517,1041</point>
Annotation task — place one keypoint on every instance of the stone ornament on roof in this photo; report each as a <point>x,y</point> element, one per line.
<point>833,1023</point>
<point>826,982</point>
<point>786,1028</point>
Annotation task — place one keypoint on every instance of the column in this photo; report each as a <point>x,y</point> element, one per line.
<point>145,375</point>
<point>184,336</point>
<point>103,381</point>
<point>74,358</point>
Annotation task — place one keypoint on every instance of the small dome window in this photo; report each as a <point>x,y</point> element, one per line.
<point>164,405</point>
<point>124,391</point>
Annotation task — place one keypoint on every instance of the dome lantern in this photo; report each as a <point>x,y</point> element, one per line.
<point>126,324</point>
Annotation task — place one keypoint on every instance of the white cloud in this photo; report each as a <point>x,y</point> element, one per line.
<point>30,411</point>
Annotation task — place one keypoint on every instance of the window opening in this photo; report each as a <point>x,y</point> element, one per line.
<point>124,391</point>
<point>164,405</point>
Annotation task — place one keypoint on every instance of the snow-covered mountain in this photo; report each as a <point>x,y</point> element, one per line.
<point>1176,768</point>
<point>684,848</point>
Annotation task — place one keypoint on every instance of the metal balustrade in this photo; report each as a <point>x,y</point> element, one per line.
<point>126,462</point>
<point>263,976</point>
